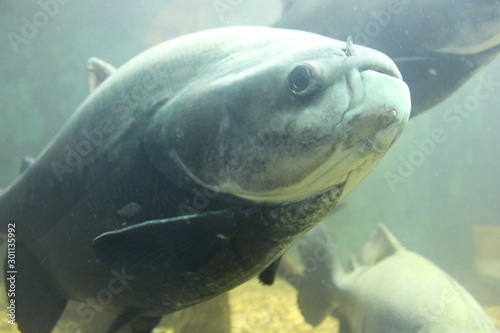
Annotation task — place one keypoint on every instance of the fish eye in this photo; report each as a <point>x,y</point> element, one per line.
<point>302,80</point>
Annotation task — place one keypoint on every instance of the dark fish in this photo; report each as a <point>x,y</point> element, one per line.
<point>437,45</point>
<point>210,316</point>
<point>192,168</point>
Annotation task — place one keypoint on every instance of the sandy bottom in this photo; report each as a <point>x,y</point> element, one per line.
<point>257,308</point>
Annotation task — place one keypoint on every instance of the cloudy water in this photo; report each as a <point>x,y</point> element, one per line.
<point>436,189</point>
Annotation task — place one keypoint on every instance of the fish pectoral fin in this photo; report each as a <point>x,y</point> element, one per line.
<point>344,325</point>
<point>315,301</point>
<point>268,275</point>
<point>37,304</point>
<point>139,324</point>
<point>143,324</point>
<point>184,243</point>
<point>122,319</point>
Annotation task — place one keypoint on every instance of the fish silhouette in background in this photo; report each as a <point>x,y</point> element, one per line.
<point>437,45</point>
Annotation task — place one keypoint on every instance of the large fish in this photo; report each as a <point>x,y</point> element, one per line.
<point>192,168</point>
<point>397,291</point>
<point>437,44</point>
<point>210,316</point>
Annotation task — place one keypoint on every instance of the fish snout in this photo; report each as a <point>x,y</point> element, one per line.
<point>377,90</point>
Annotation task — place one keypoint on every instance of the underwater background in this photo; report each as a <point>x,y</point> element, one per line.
<point>439,197</point>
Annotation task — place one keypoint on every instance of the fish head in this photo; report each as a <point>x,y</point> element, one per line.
<point>284,118</point>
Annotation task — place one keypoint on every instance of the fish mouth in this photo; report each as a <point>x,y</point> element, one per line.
<point>374,82</point>
<point>366,66</point>
<point>380,97</point>
<point>379,107</point>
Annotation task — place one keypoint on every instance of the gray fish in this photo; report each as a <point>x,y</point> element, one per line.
<point>437,45</point>
<point>233,143</point>
<point>397,291</point>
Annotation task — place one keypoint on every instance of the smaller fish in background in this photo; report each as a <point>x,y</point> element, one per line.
<point>395,291</point>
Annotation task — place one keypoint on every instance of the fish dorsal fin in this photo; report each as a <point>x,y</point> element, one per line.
<point>353,263</point>
<point>99,70</point>
<point>26,163</point>
<point>380,245</point>
<point>287,4</point>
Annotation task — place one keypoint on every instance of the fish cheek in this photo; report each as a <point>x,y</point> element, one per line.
<point>180,137</point>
